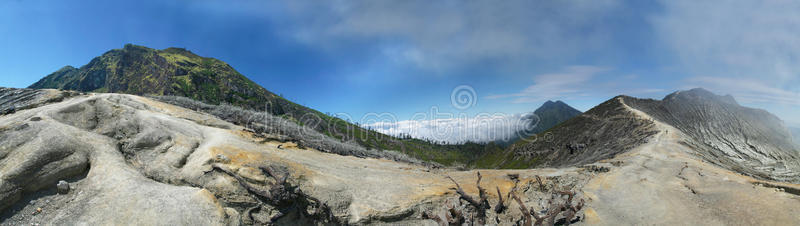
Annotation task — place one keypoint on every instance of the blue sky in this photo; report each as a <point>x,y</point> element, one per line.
<point>403,57</point>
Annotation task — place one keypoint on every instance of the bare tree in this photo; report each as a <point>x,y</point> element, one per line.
<point>549,218</point>
<point>283,196</point>
<point>480,205</point>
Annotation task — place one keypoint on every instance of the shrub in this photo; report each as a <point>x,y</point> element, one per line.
<point>265,123</point>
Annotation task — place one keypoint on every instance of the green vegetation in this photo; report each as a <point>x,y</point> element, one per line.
<point>464,155</point>
<point>178,72</point>
<point>545,117</point>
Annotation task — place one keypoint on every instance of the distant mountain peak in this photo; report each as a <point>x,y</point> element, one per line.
<point>550,114</point>
<point>700,94</point>
<point>557,105</point>
<point>552,103</point>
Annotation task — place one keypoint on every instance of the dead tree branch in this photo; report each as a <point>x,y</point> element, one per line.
<point>243,182</point>
<point>524,210</point>
<point>481,205</point>
<point>284,196</point>
<point>549,218</point>
<point>541,185</point>
<point>434,217</point>
<point>500,207</point>
<point>454,216</point>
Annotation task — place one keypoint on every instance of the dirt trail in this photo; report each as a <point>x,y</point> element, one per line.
<point>664,183</point>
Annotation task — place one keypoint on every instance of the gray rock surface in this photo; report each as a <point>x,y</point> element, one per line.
<point>62,187</point>
<point>664,183</point>
<point>600,133</point>
<point>75,140</point>
<point>746,140</point>
<point>133,160</point>
<point>12,99</point>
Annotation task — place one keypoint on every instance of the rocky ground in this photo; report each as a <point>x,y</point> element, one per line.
<point>133,160</point>
<point>600,133</point>
<point>665,183</point>
<point>746,140</point>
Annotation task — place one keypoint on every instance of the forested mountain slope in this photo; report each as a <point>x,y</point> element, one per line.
<point>178,72</point>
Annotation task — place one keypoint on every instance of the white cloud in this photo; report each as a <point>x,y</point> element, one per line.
<point>481,128</point>
<point>746,40</point>
<point>573,81</point>
<point>451,34</point>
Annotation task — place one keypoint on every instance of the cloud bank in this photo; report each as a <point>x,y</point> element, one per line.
<point>480,128</point>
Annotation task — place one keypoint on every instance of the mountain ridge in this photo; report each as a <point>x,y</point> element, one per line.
<point>128,152</point>
<point>140,70</point>
<point>173,71</point>
<point>600,133</point>
<point>746,140</point>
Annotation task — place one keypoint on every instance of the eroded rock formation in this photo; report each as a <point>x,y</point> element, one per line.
<point>132,160</point>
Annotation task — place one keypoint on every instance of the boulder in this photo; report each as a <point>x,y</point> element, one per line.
<point>62,187</point>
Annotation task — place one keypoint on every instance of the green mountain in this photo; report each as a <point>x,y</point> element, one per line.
<point>551,114</point>
<point>543,118</point>
<point>178,72</point>
<point>173,71</point>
